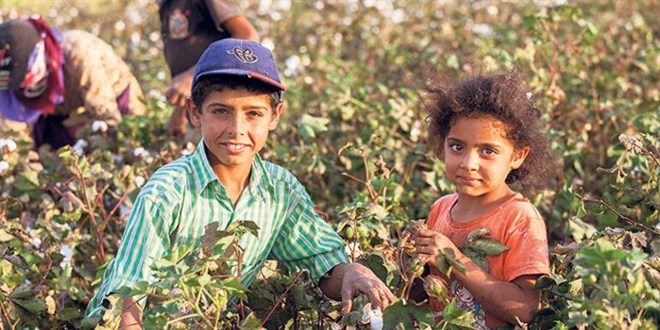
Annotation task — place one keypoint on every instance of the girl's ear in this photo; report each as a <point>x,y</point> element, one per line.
<point>193,113</point>
<point>519,157</point>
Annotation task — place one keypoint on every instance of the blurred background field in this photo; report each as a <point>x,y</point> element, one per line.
<point>354,133</point>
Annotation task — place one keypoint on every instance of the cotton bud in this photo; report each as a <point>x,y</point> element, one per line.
<point>7,146</point>
<point>139,180</point>
<point>99,126</point>
<point>4,167</point>
<point>434,287</point>
<point>416,267</point>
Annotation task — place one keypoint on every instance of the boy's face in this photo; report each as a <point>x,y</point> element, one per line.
<point>479,157</point>
<point>235,125</point>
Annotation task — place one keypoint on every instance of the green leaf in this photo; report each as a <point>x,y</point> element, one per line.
<point>5,237</point>
<point>35,305</point>
<point>488,246</point>
<point>310,126</point>
<point>251,322</point>
<point>407,316</point>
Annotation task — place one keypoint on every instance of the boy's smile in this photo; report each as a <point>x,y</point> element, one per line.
<point>235,125</point>
<point>478,157</point>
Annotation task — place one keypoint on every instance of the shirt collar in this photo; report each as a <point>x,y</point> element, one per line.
<point>260,182</point>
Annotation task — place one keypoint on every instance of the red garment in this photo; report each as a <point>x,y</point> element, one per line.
<point>517,224</point>
<point>54,59</point>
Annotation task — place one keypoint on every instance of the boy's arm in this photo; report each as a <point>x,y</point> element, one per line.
<point>347,280</point>
<point>131,315</point>
<point>509,301</point>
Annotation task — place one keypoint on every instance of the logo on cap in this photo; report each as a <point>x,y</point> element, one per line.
<point>245,55</point>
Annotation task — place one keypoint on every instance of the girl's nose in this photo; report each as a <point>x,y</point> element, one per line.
<point>470,161</point>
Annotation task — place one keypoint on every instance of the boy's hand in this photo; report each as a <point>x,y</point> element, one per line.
<point>428,244</point>
<point>360,279</point>
<point>346,281</point>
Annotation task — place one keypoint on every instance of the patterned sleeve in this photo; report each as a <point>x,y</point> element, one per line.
<point>145,239</point>
<point>222,10</point>
<point>306,241</point>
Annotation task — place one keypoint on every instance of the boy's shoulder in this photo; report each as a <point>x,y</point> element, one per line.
<point>280,175</point>
<point>170,178</point>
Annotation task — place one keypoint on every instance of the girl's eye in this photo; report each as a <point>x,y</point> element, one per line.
<point>455,147</point>
<point>489,152</point>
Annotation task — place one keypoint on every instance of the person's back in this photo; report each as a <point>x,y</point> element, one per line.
<point>46,76</point>
<point>97,79</point>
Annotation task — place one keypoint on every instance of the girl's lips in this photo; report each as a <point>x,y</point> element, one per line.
<point>468,179</point>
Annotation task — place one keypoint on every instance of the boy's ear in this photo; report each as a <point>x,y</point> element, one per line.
<point>276,116</point>
<point>193,113</point>
<point>519,157</point>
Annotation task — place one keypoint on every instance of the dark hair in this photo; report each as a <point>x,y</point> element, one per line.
<point>502,96</point>
<point>208,84</point>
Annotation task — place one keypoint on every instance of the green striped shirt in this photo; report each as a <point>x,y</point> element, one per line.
<point>182,197</point>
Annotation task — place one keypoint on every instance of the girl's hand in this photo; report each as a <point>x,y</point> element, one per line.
<point>429,244</point>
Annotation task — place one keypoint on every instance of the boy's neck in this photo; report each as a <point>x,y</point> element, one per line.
<point>234,180</point>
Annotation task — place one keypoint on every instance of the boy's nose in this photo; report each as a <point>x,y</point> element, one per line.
<point>238,126</point>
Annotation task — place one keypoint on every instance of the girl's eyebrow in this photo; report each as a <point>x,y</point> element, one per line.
<point>481,145</point>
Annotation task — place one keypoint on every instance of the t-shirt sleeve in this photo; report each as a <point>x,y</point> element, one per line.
<point>306,241</point>
<point>527,238</point>
<point>222,10</point>
<point>144,241</point>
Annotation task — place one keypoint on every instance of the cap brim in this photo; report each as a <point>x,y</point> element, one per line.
<point>249,74</point>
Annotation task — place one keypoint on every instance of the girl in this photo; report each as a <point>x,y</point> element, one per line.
<point>490,136</point>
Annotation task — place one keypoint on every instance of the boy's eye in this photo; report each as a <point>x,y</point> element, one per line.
<point>254,114</point>
<point>218,111</point>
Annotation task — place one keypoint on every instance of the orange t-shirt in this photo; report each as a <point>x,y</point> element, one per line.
<point>517,224</point>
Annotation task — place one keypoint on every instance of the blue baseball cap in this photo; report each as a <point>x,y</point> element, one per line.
<point>241,58</point>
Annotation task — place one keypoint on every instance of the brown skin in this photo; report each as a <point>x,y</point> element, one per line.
<point>510,301</point>
<point>243,119</point>
<point>346,281</point>
<point>179,89</point>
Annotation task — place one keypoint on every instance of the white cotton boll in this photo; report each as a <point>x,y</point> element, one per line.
<point>80,146</point>
<point>4,167</point>
<point>139,180</point>
<point>376,319</point>
<point>529,95</point>
<point>7,145</point>
<point>99,126</point>
<point>67,252</point>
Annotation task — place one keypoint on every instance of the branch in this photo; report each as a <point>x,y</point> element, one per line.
<point>623,217</point>
<point>281,297</point>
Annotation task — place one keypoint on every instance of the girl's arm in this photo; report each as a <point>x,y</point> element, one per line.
<point>509,301</point>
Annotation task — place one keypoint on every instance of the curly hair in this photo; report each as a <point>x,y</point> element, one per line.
<point>504,97</point>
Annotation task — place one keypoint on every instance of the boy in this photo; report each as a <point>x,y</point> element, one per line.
<point>236,99</point>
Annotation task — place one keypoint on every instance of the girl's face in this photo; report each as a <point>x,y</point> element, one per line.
<point>478,157</point>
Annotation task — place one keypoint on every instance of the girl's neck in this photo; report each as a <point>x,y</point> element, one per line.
<point>468,208</point>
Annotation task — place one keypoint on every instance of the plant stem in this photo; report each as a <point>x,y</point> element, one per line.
<point>623,217</point>
<point>281,297</point>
